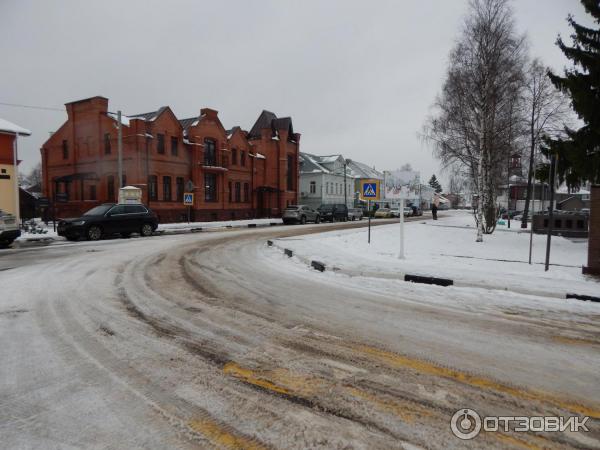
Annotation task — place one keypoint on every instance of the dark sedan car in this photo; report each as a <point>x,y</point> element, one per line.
<point>333,212</point>
<point>109,219</point>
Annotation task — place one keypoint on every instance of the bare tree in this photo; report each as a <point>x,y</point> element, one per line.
<point>546,110</point>
<point>475,112</point>
<point>33,178</point>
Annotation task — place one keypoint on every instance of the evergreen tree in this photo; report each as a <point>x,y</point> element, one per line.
<point>579,152</point>
<point>435,184</point>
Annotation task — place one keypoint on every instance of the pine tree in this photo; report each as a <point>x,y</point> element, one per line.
<point>579,152</point>
<point>435,184</point>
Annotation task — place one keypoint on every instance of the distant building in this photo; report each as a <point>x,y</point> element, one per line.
<point>234,174</point>
<point>322,180</point>
<point>9,185</point>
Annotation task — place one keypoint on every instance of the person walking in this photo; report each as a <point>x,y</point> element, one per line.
<point>434,205</point>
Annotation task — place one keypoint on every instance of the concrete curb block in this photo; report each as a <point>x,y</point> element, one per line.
<point>318,266</point>
<point>585,298</point>
<point>428,280</point>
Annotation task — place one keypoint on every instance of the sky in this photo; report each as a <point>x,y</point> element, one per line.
<point>357,77</point>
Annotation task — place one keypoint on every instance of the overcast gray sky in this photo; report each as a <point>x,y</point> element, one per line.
<point>357,77</point>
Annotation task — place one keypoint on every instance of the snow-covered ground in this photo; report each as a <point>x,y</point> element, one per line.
<point>447,248</point>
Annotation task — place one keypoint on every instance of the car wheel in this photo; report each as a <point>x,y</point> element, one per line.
<point>303,220</point>
<point>4,244</point>
<point>94,233</point>
<point>318,219</point>
<point>126,235</point>
<point>146,230</point>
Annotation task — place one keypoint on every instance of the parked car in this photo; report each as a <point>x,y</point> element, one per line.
<point>110,219</point>
<point>384,213</point>
<point>408,211</point>
<point>9,229</point>
<point>355,213</point>
<point>333,212</point>
<point>300,214</point>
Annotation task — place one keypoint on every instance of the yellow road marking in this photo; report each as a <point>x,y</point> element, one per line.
<point>408,412</point>
<point>283,382</point>
<point>396,360</point>
<point>574,341</point>
<point>221,437</point>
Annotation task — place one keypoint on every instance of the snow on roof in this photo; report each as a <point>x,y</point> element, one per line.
<point>9,127</point>
<point>360,170</point>
<point>310,164</point>
<point>329,158</point>
<point>124,118</point>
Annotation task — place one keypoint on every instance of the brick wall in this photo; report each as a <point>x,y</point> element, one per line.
<point>593,266</point>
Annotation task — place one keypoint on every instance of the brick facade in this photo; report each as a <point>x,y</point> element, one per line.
<point>593,265</point>
<point>236,174</point>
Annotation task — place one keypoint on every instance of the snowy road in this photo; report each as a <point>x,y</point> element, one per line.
<point>213,340</point>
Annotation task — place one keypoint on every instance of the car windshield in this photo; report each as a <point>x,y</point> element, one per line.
<point>325,207</point>
<point>384,209</point>
<point>292,208</point>
<point>98,210</point>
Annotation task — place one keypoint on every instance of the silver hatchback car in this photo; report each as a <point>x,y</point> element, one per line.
<point>300,214</point>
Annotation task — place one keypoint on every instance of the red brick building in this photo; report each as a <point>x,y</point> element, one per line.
<point>236,174</point>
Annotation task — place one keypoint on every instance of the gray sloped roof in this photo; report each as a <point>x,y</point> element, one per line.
<point>309,164</point>
<point>186,123</point>
<point>360,170</point>
<point>149,116</point>
<point>265,120</point>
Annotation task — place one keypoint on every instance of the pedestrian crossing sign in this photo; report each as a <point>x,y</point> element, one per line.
<point>369,189</point>
<point>188,198</point>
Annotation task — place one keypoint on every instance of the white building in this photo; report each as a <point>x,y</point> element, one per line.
<point>322,180</point>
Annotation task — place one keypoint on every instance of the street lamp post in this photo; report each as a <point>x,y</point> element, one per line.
<point>120,148</point>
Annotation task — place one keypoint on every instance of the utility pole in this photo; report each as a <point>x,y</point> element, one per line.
<point>346,162</point>
<point>16,177</point>
<point>551,210</point>
<point>120,149</point>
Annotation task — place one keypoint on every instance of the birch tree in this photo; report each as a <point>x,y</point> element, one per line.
<point>545,112</point>
<point>475,113</point>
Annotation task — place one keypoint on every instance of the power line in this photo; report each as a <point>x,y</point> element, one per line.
<point>46,108</point>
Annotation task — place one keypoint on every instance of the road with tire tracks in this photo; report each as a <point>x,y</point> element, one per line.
<point>211,340</point>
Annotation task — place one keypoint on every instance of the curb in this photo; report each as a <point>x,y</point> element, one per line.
<point>585,298</point>
<point>318,266</point>
<point>428,280</point>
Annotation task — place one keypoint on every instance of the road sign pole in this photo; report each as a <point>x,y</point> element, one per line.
<point>401,255</point>
<point>369,211</point>
<point>188,213</point>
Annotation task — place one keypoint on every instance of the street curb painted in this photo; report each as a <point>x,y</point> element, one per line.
<point>428,280</point>
<point>585,298</point>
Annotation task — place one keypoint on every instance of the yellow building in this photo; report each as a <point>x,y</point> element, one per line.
<point>9,185</point>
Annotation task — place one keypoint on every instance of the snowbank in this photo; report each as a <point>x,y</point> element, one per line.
<point>447,248</point>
